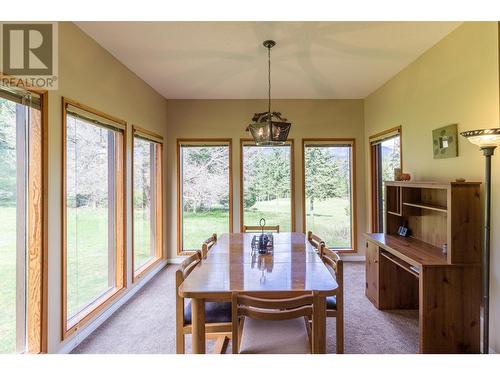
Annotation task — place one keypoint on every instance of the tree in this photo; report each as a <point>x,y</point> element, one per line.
<point>7,152</point>
<point>326,175</point>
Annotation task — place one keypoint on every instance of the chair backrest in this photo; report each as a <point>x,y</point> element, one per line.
<point>262,308</point>
<point>335,265</point>
<point>317,242</point>
<point>258,228</point>
<point>185,268</point>
<point>207,245</point>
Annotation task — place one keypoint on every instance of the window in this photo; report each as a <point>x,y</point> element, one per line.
<point>267,185</point>
<point>147,201</point>
<point>21,219</point>
<point>329,201</point>
<point>93,212</point>
<point>204,185</point>
<point>385,153</point>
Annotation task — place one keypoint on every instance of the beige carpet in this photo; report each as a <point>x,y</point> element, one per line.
<point>146,324</point>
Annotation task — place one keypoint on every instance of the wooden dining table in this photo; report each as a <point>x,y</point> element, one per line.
<point>293,268</point>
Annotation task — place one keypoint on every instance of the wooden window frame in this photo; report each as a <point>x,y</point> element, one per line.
<point>201,142</point>
<point>251,142</point>
<point>159,213</point>
<point>388,133</point>
<point>37,228</point>
<point>354,215</point>
<point>97,306</point>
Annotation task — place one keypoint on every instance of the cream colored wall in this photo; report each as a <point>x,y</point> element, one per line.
<point>92,76</point>
<point>229,118</point>
<point>456,81</point>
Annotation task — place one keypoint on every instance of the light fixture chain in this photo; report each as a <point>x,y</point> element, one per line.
<point>269,79</point>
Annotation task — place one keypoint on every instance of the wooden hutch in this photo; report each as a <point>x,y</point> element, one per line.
<point>413,272</point>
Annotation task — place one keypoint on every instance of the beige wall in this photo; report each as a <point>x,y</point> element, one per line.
<point>229,118</point>
<point>456,81</point>
<point>92,76</point>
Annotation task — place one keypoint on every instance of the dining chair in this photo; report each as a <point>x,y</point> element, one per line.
<point>217,314</point>
<point>317,242</point>
<point>335,304</point>
<point>273,326</point>
<point>208,244</point>
<point>258,228</point>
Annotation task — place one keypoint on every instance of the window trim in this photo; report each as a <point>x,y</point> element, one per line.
<point>70,326</point>
<point>372,141</point>
<point>249,141</point>
<point>37,228</point>
<point>159,238</point>
<point>201,142</point>
<point>354,216</point>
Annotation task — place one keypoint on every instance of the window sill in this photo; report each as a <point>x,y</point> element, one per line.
<point>76,322</point>
<point>144,269</point>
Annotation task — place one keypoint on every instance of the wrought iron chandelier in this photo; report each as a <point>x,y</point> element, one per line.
<point>269,128</point>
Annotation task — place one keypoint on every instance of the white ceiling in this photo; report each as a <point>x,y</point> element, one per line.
<point>226,60</point>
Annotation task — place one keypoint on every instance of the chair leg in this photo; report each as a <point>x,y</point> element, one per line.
<point>340,334</point>
<point>221,344</point>
<point>180,342</point>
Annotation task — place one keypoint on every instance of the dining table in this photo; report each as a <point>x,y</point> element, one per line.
<point>292,268</point>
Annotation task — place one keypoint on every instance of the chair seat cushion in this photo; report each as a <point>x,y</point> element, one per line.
<point>275,337</point>
<point>331,302</point>
<point>215,312</point>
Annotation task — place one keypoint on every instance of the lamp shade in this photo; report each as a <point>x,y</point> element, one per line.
<point>483,137</point>
<point>266,131</point>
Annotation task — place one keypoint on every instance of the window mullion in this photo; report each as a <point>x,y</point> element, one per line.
<point>111,209</point>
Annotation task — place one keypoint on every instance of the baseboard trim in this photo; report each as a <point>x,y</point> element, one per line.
<point>353,258</point>
<point>82,334</point>
<point>175,261</point>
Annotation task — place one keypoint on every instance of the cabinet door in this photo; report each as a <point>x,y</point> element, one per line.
<point>372,259</point>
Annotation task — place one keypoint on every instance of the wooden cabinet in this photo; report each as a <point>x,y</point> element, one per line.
<point>413,272</point>
<point>372,258</point>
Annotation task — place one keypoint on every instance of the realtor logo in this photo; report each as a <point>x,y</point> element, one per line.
<point>29,54</point>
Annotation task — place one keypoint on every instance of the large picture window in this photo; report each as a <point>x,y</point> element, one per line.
<point>385,154</point>
<point>328,191</point>
<point>204,183</point>
<point>267,185</point>
<point>147,201</point>
<point>93,212</point>
<point>22,257</point>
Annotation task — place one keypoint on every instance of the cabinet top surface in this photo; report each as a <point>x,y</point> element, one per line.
<point>413,251</point>
<point>431,184</point>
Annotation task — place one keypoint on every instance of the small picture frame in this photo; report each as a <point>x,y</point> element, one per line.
<point>445,142</point>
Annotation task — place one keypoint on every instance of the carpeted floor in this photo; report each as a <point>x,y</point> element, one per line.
<point>146,324</point>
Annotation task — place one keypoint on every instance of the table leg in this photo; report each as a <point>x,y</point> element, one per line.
<point>198,325</point>
<point>319,325</point>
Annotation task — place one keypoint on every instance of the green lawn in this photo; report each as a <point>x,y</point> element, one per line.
<point>197,227</point>
<point>275,212</point>
<point>8,279</point>
<point>331,221</point>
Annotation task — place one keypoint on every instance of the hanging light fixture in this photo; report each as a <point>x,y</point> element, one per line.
<point>269,128</point>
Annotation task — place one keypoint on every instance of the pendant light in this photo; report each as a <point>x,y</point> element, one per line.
<point>269,128</point>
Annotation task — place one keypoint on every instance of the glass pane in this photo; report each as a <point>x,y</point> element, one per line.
<point>267,185</point>
<point>390,158</point>
<point>8,222</point>
<point>205,193</point>
<point>328,194</point>
<point>144,152</point>
<point>90,212</point>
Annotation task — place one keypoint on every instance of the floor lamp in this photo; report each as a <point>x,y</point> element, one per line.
<point>487,140</point>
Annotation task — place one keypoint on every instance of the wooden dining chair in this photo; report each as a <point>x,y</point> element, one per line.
<point>273,326</point>
<point>317,242</point>
<point>335,304</point>
<point>258,228</point>
<point>217,314</point>
<point>208,244</point>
